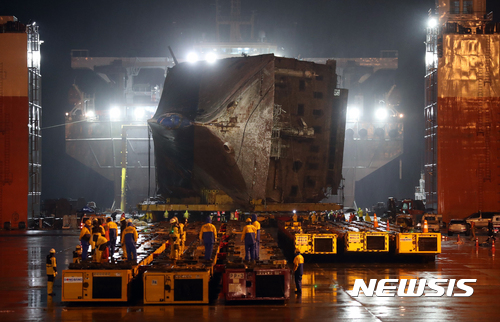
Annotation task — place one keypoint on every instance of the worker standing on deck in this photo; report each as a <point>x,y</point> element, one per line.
<point>368,218</point>
<point>294,217</point>
<point>256,224</point>
<point>77,255</point>
<point>491,232</point>
<point>101,244</point>
<point>207,235</point>
<point>85,239</point>
<point>298,269</point>
<point>113,234</point>
<point>182,231</point>
<point>174,239</point>
<point>51,268</point>
<point>123,226</point>
<point>360,213</point>
<point>105,255</point>
<point>99,230</point>
<point>249,235</point>
<point>314,217</point>
<point>129,238</point>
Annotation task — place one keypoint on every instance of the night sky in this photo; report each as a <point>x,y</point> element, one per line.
<point>312,28</point>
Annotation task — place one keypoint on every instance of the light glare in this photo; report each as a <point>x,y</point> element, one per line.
<point>139,113</point>
<point>192,57</point>
<point>381,113</point>
<point>432,22</point>
<point>114,113</point>
<point>211,58</point>
<point>353,114</point>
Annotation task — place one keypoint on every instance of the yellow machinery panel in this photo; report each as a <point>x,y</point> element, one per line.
<point>303,243</point>
<point>354,241</point>
<point>95,285</point>
<point>366,242</point>
<point>181,287</point>
<point>316,243</point>
<point>418,243</point>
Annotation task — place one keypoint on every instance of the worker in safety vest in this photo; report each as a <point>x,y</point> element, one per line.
<point>174,239</point>
<point>77,255</point>
<point>207,235</point>
<point>249,235</point>
<point>298,269</point>
<point>182,231</point>
<point>129,238</point>
<point>101,244</point>
<point>313,217</point>
<point>99,230</point>
<point>85,239</point>
<point>105,254</point>
<point>360,212</point>
<point>294,217</point>
<point>113,236</point>
<point>256,224</point>
<point>51,268</point>
<point>123,226</point>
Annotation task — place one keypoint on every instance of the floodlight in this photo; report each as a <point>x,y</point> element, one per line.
<point>381,113</point>
<point>211,58</point>
<point>432,23</point>
<point>114,113</point>
<point>192,57</point>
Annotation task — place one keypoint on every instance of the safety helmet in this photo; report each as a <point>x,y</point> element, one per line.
<point>129,220</point>
<point>249,220</point>
<point>78,247</point>
<point>87,222</point>
<point>52,251</point>
<point>173,220</point>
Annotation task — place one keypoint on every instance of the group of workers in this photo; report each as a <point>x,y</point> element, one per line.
<point>250,235</point>
<point>102,237</point>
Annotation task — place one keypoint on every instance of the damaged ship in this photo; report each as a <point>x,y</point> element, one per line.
<point>246,131</point>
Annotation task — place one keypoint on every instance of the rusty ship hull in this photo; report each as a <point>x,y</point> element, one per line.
<point>260,129</point>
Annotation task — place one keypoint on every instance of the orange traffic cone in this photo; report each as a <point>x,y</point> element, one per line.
<point>388,226</point>
<point>458,238</point>
<point>426,227</point>
<point>493,245</point>
<point>477,243</point>
<point>375,221</point>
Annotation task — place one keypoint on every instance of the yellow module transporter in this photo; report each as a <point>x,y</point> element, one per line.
<point>184,280</point>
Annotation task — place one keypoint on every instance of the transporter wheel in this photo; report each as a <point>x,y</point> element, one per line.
<point>450,234</point>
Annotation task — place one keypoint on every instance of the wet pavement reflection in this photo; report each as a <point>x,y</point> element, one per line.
<point>326,292</point>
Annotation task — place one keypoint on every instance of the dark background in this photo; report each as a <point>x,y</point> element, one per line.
<point>319,28</point>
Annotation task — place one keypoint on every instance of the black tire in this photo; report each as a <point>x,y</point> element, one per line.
<point>467,233</point>
<point>450,234</point>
